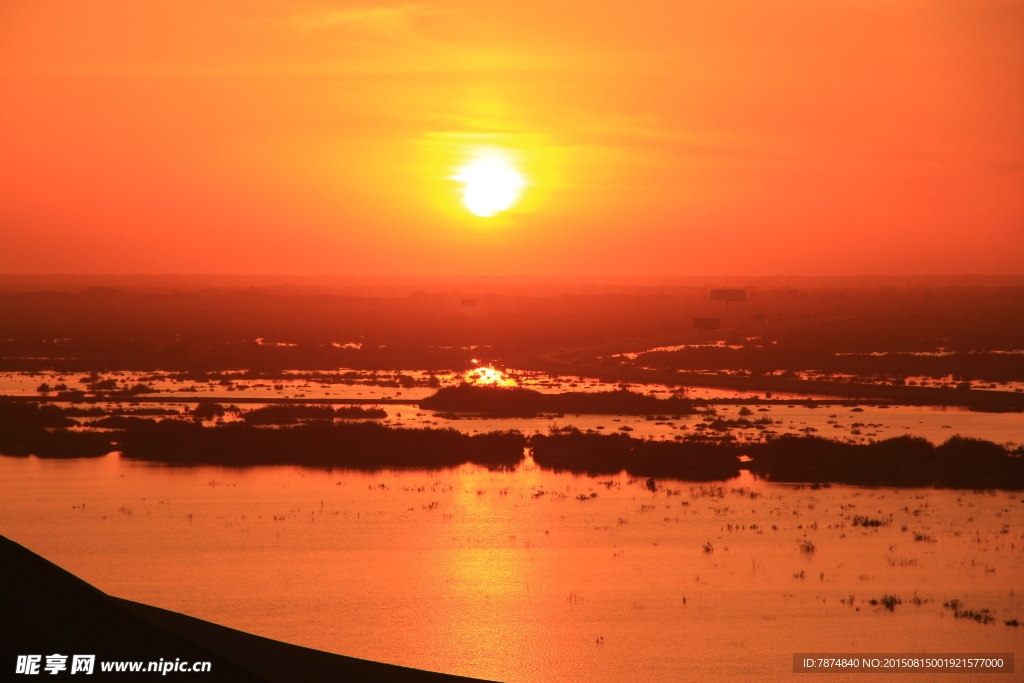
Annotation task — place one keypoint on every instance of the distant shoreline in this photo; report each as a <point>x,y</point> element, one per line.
<point>960,462</point>
<point>819,401</point>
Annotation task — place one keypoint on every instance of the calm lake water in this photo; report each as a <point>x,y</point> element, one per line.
<point>512,576</point>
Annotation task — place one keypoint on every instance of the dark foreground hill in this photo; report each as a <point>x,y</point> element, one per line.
<point>47,610</point>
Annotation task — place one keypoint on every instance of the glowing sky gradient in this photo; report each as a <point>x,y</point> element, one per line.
<point>684,137</point>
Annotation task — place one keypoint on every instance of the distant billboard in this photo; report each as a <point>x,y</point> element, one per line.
<point>469,302</point>
<point>707,323</point>
<point>728,295</point>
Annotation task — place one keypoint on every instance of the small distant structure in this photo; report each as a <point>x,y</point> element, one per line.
<point>469,308</point>
<point>707,324</point>
<point>728,295</point>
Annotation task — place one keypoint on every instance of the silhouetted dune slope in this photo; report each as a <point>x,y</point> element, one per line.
<point>47,610</point>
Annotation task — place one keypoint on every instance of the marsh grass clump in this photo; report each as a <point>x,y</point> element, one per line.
<point>902,562</point>
<point>807,547</point>
<point>982,616</point>
<point>860,520</point>
<point>889,602</point>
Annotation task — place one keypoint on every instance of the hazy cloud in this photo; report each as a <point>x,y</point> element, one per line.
<point>396,22</point>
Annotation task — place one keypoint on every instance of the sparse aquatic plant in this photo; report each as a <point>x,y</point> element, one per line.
<point>860,520</point>
<point>982,616</point>
<point>890,602</point>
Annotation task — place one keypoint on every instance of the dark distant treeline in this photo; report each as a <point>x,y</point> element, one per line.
<point>27,428</point>
<point>376,378</point>
<point>601,454</point>
<point>902,461</point>
<point>292,413</point>
<point>96,411</point>
<point>197,357</point>
<point>992,367</point>
<point>217,330</point>
<point>31,429</point>
<point>355,445</point>
<point>519,402</point>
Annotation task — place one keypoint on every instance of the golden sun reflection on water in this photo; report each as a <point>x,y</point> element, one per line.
<point>524,575</point>
<point>489,377</point>
<point>486,575</point>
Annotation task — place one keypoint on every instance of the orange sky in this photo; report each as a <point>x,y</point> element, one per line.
<point>684,137</point>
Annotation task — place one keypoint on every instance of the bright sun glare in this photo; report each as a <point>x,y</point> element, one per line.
<point>492,184</point>
<point>488,376</point>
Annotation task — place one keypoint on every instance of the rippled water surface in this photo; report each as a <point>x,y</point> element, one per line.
<point>533,575</point>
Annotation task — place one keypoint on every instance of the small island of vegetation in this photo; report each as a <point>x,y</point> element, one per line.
<point>49,431</point>
<point>520,402</point>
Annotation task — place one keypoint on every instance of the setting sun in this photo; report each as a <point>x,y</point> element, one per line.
<point>425,342</point>
<point>492,185</point>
